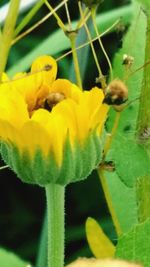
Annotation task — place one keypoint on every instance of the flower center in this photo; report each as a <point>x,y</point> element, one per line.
<point>52,100</point>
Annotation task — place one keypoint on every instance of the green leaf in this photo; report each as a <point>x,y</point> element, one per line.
<point>143,199</point>
<point>99,243</point>
<point>8,259</point>
<point>130,159</point>
<point>135,245</point>
<point>123,201</point>
<point>145,4</point>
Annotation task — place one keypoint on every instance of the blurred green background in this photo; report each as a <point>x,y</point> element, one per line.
<point>22,206</point>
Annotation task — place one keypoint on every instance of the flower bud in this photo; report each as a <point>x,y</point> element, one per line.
<point>50,130</point>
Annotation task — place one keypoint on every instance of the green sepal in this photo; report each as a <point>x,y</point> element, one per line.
<point>78,162</point>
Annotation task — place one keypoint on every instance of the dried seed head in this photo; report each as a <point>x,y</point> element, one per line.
<point>116,93</point>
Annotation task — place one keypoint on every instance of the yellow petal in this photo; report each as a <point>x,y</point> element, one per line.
<point>8,133</point>
<point>54,125</point>
<point>34,137</point>
<point>28,86</point>
<point>42,116</point>
<point>103,112</point>
<point>13,108</point>
<point>4,77</point>
<point>67,88</point>
<point>96,111</point>
<point>38,66</point>
<point>99,243</point>
<point>57,133</point>
<point>66,110</point>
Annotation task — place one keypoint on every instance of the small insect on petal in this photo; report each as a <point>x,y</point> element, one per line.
<point>47,67</point>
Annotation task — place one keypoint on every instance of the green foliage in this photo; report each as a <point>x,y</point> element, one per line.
<point>134,245</point>
<point>130,159</point>
<point>8,259</point>
<point>124,201</point>
<point>143,199</point>
<point>145,4</point>
<point>78,197</point>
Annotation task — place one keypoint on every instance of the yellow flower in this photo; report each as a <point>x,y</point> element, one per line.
<point>50,130</point>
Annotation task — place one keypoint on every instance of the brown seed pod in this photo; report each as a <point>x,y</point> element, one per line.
<point>116,93</point>
<point>53,99</point>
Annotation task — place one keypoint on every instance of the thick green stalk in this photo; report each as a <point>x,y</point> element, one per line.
<point>28,17</point>
<point>143,123</point>
<point>7,34</point>
<point>143,133</point>
<point>55,211</point>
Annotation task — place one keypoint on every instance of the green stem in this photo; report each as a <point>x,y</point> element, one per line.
<point>92,48</point>
<point>8,33</point>
<point>143,122</point>
<point>102,177</point>
<point>57,17</point>
<point>55,211</point>
<point>28,17</point>
<point>72,37</point>
<point>143,127</point>
<point>109,202</point>
<point>93,15</point>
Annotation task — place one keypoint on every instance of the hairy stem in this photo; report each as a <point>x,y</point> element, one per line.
<point>55,211</point>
